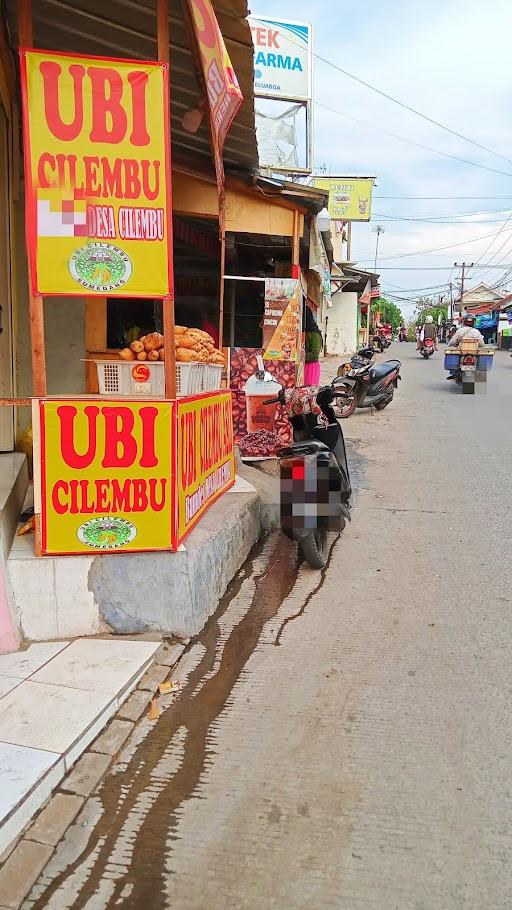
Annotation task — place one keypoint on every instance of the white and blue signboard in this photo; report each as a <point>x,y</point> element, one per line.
<point>282,58</point>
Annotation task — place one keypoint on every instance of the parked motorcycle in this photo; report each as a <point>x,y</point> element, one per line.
<point>315,479</point>
<point>366,386</point>
<point>427,348</point>
<point>361,359</point>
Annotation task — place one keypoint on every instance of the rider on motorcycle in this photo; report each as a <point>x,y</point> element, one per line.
<point>467,330</point>
<point>428,331</point>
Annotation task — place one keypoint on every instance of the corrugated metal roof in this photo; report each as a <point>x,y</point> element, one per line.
<point>127,28</point>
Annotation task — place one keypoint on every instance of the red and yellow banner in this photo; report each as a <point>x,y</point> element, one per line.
<point>205,457</point>
<point>96,138</point>
<point>106,475</point>
<point>120,475</point>
<point>224,95</point>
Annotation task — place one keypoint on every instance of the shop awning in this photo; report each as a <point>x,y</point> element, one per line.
<point>127,28</point>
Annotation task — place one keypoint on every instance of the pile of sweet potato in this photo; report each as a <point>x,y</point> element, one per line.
<point>191,346</point>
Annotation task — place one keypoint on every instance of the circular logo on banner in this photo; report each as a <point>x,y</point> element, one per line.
<point>141,373</point>
<point>106,533</point>
<point>100,266</point>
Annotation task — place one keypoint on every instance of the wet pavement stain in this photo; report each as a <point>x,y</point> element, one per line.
<point>136,853</point>
<point>308,599</point>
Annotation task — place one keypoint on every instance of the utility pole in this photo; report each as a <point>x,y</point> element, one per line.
<point>451,301</point>
<point>463,266</point>
<point>378,229</point>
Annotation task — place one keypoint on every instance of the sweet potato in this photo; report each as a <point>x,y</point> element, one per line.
<point>137,346</point>
<point>127,354</point>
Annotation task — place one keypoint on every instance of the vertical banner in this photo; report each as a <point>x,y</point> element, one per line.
<point>97,168</point>
<point>106,475</point>
<point>224,95</point>
<point>282,319</point>
<point>205,456</point>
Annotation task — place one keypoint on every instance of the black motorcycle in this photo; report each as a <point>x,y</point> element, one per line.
<point>315,479</point>
<point>367,385</point>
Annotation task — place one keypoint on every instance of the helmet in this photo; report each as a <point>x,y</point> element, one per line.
<point>469,319</point>
<point>429,318</point>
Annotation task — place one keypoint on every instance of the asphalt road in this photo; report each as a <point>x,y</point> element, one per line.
<point>343,740</point>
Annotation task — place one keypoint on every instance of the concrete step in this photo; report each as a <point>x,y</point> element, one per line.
<point>131,593</point>
<point>14,482</point>
<point>55,698</point>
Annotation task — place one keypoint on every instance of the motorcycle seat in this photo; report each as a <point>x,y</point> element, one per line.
<point>308,447</point>
<point>380,370</point>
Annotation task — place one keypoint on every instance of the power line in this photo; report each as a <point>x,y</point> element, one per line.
<point>438,198</point>
<point>433,268</point>
<point>408,107</point>
<point>427,148</point>
<point>438,249</point>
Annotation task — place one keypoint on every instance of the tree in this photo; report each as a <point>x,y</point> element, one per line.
<point>426,306</point>
<point>389,312</point>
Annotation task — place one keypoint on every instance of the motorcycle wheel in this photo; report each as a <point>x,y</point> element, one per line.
<point>383,404</point>
<point>314,548</point>
<point>346,406</point>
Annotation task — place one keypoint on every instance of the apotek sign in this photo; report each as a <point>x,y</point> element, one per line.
<point>96,137</point>
<point>282,58</point>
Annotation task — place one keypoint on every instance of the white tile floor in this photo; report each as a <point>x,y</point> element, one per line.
<point>55,698</point>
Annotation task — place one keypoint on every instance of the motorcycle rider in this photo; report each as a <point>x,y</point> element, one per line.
<point>428,330</point>
<point>467,330</point>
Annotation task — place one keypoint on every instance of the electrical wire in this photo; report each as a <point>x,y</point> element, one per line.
<point>443,198</point>
<point>427,148</point>
<point>403,104</point>
<point>437,249</point>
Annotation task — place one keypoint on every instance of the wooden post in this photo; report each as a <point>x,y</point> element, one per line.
<point>222,284</point>
<point>36,313</point>
<point>162,37</point>
<point>296,245</point>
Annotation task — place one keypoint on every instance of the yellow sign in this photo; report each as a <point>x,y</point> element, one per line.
<point>350,198</point>
<point>205,457</point>
<point>106,475</point>
<point>96,137</point>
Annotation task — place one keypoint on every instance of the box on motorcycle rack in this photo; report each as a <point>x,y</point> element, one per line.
<point>485,361</point>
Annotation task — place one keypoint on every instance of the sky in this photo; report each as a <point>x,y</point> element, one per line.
<point>449,59</point>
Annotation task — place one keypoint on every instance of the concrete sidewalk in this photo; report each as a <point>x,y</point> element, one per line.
<point>55,698</point>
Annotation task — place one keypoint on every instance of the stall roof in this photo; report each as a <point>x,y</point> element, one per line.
<point>308,197</point>
<point>127,28</point>
<point>356,279</point>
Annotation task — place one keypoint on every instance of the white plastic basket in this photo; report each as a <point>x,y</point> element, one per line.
<point>119,377</point>
<point>212,377</point>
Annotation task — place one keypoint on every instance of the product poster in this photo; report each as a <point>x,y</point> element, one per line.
<point>96,143</point>
<point>282,319</point>
<point>259,442</point>
<point>106,481</point>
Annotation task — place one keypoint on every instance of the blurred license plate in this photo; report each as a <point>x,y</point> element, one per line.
<point>468,366</point>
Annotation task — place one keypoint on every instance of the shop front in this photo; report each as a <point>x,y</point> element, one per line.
<point>131,428</point>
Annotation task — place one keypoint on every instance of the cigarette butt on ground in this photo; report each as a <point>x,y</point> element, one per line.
<point>153,710</point>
